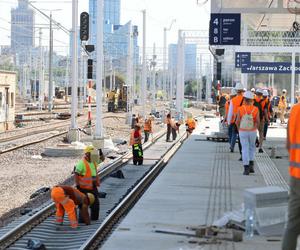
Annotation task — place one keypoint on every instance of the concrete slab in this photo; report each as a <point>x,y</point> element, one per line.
<point>201,183</point>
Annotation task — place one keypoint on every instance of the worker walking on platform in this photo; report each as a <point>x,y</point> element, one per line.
<point>66,199</point>
<point>232,95</point>
<point>269,112</point>
<point>136,143</point>
<point>292,230</point>
<point>169,127</point>
<point>87,180</point>
<point>260,103</point>
<point>235,103</point>
<point>282,106</point>
<point>247,122</point>
<point>148,127</point>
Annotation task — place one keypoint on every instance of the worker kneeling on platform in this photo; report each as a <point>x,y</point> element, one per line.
<point>66,199</point>
<point>136,143</point>
<point>247,123</point>
<point>87,179</point>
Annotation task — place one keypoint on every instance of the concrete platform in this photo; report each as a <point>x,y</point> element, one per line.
<point>201,183</point>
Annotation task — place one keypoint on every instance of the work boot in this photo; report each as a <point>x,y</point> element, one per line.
<point>246,170</point>
<point>241,158</point>
<point>260,150</point>
<point>251,167</point>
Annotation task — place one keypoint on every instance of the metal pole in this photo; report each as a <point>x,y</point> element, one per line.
<point>164,63</point>
<point>180,73</point>
<point>293,78</point>
<point>153,80</point>
<point>41,92</point>
<point>50,92</point>
<point>129,71</point>
<point>35,79</point>
<point>99,71</point>
<point>144,69</point>
<point>74,69</point>
<point>111,76</point>
<point>85,58</point>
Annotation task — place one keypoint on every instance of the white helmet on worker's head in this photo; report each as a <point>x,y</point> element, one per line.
<point>233,92</point>
<point>239,87</point>
<point>265,93</point>
<point>284,91</point>
<point>259,91</point>
<point>253,90</point>
<point>249,95</point>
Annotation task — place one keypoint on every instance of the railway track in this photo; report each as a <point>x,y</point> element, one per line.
<point>121,195</point>
<point>35,135</point>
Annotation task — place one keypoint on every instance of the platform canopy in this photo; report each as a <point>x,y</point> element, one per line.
<point>262,15</point>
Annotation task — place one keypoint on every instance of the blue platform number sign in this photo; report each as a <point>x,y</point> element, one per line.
<point>242,59</point>
<point>225,29</point>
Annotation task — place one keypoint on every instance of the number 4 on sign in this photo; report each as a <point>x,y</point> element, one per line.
<point>216,21</point>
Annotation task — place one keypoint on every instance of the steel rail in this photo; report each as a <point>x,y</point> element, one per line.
<point>16,233</point>
<point>121,209</point>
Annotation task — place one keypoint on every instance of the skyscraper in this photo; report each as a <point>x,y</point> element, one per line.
<point>112,13</point>
<point>22,27</point>
<point>115,35</point>
<point>190,58</point>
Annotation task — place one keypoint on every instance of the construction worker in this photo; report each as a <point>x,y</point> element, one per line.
<point>292,230</point>
<point>235,103</point>
<point>87,180</point>
<point>232,95</point>
<point>136,143</point>
<point>269,110</point>
<point>190,124</point>
<point>260,103</point>
<point>148,127</point>
<point>66,199</point>
<point>282,106</point>
<point>169,127</point>
<point>247,123</point>
<point>221,102</point>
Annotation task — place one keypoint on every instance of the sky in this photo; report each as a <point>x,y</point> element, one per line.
<point>160,14</point>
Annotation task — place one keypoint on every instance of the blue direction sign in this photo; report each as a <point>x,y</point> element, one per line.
<point>270,68</point>
<point>225,29</point>
<point>242,59</point>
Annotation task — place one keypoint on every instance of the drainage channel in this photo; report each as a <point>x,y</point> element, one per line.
<point>43,227</point>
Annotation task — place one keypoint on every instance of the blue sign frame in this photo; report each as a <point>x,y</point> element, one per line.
<point>225,29</point>
<point>242,59</point>
<point>270,67</point>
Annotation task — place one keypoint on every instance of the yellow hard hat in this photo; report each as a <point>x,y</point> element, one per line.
<point>91,198</point>
<point>89,149</point>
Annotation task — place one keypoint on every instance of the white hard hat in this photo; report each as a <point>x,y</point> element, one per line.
<point>259,91</point>
<point>265,92</point>
<point>249,95</point>
<point>239,86</point>
<point>233,92</point>
<point>253,90</point>
<point>284,91</point>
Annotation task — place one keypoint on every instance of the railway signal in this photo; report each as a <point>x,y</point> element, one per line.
<point>84,26</point>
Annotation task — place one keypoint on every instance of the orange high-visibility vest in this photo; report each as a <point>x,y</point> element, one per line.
<point>148,125</point>
<point>191,123</point>
<point>294,140</point>
<point>86,181</point>
<point>237,101</point>
<point>248,109</point>
<point>282,102</point>
<point>134,140</point>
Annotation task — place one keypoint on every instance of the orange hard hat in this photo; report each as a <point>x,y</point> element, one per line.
<point>57,194</point>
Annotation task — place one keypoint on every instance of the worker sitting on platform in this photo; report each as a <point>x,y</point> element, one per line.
<point>86,178</point>
<point>136,143</point>
<point>66,199</point>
